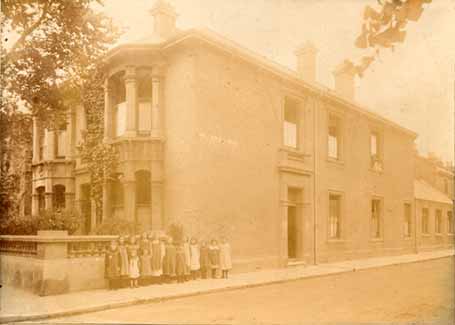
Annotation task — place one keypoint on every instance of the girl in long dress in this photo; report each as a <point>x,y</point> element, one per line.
<point>204,260</point>
<point>214,256</point>
<point>112,265</point>
<point>134,269</point>
<point>124,261</point>
<point>145,267</point>
<point>195,264</point>
<point>180,264</point>
<point>225,258</point>
<point>157,266</point>
<point>186,250</point>
<point>169,261</point>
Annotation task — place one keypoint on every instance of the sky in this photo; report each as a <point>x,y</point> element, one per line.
<point>412,85</point>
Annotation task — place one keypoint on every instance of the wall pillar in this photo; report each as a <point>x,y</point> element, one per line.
<point>129,204</point>
<point>35,204</point>
<point>156,103</point>
<point>108,114</point>
<point>69,201</point>
<point>36,140</point>
<point>48,195</point>
<point>70,135</point>
<point>157,185</point>
<point>131,101</point>
<point>107,196</point>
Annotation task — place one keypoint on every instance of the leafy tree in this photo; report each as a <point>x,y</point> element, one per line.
<point>15,144</point>
<point>385,26</point>
<point>47,42</point>
<point>49,51</point>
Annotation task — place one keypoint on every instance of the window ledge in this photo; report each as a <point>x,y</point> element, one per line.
<point>450,234</point>
<point>294,151</point>
<point>426,235</point>
<point>336,241</point>
<point>408,238</point>
<point>376,171</point>
<point>336,161</point>
<point>439,234</point>
<point>376,240</point>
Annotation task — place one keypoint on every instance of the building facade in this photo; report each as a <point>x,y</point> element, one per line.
<point>228,143</point>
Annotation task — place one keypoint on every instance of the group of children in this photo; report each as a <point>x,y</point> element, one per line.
<point>154,259</point>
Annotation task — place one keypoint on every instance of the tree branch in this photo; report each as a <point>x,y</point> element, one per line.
<point>29,30</point>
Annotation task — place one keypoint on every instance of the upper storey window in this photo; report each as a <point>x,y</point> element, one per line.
<point>291,124</point>
<point>375,151</point>
<point>334,137</point>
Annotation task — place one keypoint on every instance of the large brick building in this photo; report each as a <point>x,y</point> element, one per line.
<point>227,142</point>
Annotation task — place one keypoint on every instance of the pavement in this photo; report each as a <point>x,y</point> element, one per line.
<point>18,305</point>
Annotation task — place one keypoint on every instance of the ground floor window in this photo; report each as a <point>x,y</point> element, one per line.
<point>407,220</point>
<point>376,218</point>
<point>41,201</point>
<point>425,217</point>
<point>450,222</point>
<point>438,222</point>
<point>59,197</point>
<point>334,216</point>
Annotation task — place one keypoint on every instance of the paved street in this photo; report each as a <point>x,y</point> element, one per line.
<point>417,291</point>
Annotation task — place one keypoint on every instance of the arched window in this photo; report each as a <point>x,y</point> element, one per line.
<point>41,202</point>
<point>59,197</point>
<point>143,187</point>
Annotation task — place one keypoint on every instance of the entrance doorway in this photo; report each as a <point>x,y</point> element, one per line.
<point>292,232</point>
<point>294,216</point>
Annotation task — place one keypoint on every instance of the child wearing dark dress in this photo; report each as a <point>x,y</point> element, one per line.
<point>145,267</point>
<point>112,265</point>
<point>124,263</point>
<point>214,255</point>
<point>180,263</point>
<point>169,261</point>
<point>204,260</point>
<point>156,259</point>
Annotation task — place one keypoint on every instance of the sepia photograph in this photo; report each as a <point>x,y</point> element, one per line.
<point>227,162</point>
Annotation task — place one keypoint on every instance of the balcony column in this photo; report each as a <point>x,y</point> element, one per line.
<point>36,140</point>
<point>108,113</point>
<point>50,145</point>
<point>156,102</point>
<point>131,101</point>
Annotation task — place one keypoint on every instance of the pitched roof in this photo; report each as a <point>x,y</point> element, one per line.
<point>219,41</point>
<point>424,191</point>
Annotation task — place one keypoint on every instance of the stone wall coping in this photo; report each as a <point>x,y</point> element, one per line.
<point>56,238</point>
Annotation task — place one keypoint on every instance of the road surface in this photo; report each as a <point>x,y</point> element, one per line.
<point>409,292</point>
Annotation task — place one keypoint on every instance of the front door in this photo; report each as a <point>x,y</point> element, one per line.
<point>292,232</point>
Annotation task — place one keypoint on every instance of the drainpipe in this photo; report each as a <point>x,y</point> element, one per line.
<point>415,226</point>
<point>315,115</point>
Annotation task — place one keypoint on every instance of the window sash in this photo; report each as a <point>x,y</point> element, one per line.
<point>145,117</point>
<point>290,134</point>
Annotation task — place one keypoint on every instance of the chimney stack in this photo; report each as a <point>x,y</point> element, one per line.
<point>306,61</point>
<point>345,80</point>
<point>164,17</point>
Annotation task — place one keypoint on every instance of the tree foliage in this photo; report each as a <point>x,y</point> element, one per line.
<point>47,42</point>
<point>15,144</point>
<point>384,27</point>
<point>100,157</point>
<point>49,52</point>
